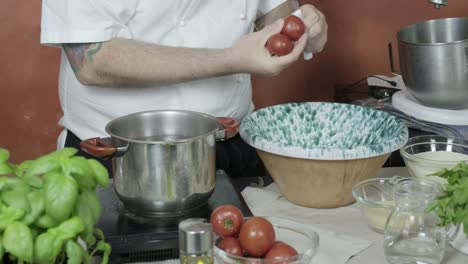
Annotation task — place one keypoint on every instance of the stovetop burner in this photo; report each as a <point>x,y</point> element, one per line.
<point>137,239</point>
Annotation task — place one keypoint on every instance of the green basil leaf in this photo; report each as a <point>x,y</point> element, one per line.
<point>23,167</point>
<point>41,166</point>
<point>9,215</point>
<point>61,154</point>
<point>36,200</point>
<point>94,206</point>
<point>16,184</point>
<point>2,249</point>
<point>100,172</point>
<point>47,247</point>
<point>4,155</point>
<point>106,249</point>
<point>66,152</point>
<point>16,199</point>
<point>46,221</point>
<point>88,238</point>
<point>70,228</point>
<point>3,182</point>
<point>34,231</point>
<point>88,209</point>
<point>17,240</point>
<point>60,195</point>
<point>34,181</point>
<point>74,252</point>
<point>82,173</point>
<point>5,169</point>
<point>99,234</point>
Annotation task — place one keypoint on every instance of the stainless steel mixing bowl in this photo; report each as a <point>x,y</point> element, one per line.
<point>434,62</point>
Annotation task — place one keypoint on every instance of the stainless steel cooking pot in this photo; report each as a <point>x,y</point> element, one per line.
<point>434,62</point>
<point>163,161</point>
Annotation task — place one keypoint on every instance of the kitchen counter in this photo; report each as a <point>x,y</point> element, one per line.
<point>353,225</point>
<point>375,255</point>
<point>346,221</point>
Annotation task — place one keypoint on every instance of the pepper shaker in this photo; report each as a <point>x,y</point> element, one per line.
<point>195,242</point>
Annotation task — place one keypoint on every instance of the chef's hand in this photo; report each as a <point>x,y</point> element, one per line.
<point>250,54</point>
<point>316,27</point>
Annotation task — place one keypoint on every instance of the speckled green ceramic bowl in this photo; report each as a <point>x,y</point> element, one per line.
<point>316,152</point>
<point>324,131</point>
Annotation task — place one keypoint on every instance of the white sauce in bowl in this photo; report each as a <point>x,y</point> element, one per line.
<point>425,164</point>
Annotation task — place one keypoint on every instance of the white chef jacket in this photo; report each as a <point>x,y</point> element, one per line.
<point>213,24</point>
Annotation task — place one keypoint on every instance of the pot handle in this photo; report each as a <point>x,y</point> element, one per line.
<point>228,128</point>
<point>102,148</point>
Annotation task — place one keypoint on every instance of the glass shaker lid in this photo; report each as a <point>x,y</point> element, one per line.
<point>195,236</point>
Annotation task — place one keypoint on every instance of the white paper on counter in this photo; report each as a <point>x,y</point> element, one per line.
<point>342,232</point>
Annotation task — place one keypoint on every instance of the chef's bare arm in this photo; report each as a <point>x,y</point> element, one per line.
<point>125,63</point>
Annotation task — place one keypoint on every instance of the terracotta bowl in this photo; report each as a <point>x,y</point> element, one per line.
<point>316,152</point>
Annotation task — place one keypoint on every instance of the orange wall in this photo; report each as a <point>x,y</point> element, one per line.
<point>29,107</point>
<point>358,35</point>
<point>359,32</point>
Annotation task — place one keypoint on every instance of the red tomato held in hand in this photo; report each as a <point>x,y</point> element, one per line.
<point>226,220</point>
<point>280,250</point>
<point>279,45</point>
<point>231,245</point>
<point>293,27</point>
<point>257,236</point>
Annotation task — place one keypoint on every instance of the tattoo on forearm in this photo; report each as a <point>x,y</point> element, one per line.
<point>79,53</point>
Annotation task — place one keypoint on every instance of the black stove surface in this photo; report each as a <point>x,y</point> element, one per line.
<point>137,239</point>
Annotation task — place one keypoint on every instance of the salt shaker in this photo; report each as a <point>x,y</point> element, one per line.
<point>195,242</point>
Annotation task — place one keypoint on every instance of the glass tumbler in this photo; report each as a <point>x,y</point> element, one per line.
<point>412,234</point>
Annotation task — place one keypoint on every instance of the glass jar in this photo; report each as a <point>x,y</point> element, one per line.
<point>412,234</point>
<point>195,242</point>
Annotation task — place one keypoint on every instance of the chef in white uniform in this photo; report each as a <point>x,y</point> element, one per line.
<point>126,56</point>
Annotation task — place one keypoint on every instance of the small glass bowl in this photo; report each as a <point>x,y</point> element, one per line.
<point>426,155</point>
<point>375,200</point>
<point>305,242</point>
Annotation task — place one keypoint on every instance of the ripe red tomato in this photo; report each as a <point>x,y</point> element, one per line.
<point>226,220</point>
<point>280,250</point>
<point>257,236</point>
<point>231,245</point>
<point>279,45</point>
<point>293,27</point>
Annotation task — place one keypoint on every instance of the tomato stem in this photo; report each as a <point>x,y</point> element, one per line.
<point>228,223</point>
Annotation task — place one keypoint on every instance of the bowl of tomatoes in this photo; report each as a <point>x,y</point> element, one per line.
<point>259,239</point>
